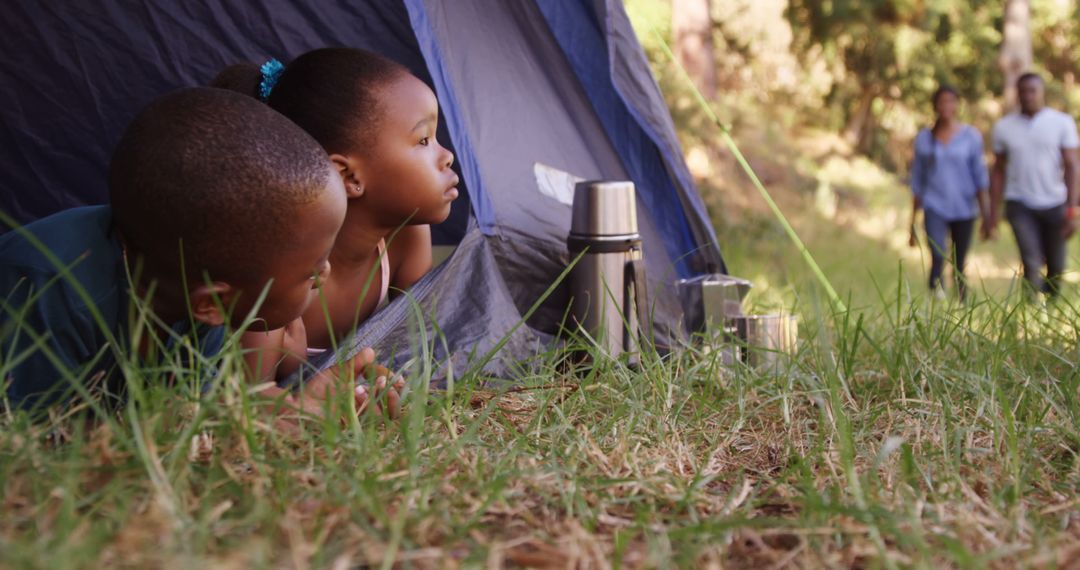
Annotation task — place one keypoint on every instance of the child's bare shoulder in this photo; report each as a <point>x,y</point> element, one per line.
<point>410,255</point>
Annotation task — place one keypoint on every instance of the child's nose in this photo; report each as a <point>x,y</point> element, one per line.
<point>448,158</point>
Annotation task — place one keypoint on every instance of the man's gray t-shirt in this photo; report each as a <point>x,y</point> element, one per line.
<point>1032,145</point>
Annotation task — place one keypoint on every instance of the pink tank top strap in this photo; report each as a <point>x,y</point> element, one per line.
<point>384,275</point>
<point>384,287</point>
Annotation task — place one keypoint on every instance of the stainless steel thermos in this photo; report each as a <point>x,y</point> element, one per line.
<point>608,287</point>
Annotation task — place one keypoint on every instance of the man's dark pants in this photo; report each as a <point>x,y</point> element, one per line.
<point>1039,237</point>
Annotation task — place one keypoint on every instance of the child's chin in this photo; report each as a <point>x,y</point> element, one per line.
<point>435,217</point>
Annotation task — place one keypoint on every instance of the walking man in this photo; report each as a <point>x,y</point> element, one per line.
<point>1035,171</point>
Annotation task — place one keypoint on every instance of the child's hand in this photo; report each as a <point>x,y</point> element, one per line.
<point>383,394</point>
<point>334,380</point>
<point>384,386</point>
<point>323,386</point>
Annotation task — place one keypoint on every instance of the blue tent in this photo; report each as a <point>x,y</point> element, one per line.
<point>529,90</point>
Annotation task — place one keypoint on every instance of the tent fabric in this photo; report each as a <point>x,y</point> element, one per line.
<point>632,80</point>
<point>579,33</point>
<point>478,323</point>
<point>75,73</point>
<point>562,83</point>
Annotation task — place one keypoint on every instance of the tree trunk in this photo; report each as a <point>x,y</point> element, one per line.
<point>1015,58</point>
<point>860,121</point>
<point>691,24</point>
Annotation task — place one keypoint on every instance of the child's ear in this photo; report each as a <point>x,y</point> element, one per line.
<point>210,301</point>
<point>349,170</point>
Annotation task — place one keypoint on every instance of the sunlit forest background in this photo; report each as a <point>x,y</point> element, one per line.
<point>825,98</point>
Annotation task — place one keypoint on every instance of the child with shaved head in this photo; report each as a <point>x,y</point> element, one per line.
<point>215,199</point>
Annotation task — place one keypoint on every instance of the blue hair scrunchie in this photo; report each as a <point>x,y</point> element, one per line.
<point>271,71</point>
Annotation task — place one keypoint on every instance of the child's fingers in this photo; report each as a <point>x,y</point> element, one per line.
<point>369,399</point>
<point>393,403</point>
<point>363,399</point>
<point>375,370</point>
<point>380,391</point>
<point>359,362</point>
<point>362,360</point>
<point>375,395</point>
<point>327,382</point>
<point>391,390</point>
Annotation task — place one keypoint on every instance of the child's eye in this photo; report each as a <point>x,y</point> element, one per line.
<point>424,141</point>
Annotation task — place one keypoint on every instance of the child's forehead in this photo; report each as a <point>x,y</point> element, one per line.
<point>407,95</point>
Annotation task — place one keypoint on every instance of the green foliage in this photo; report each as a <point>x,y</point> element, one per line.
<point>868,68</point>
<point>1057,48</point>
<point>898,52</point>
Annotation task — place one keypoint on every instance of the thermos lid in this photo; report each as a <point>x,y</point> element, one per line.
<point>604,208</point>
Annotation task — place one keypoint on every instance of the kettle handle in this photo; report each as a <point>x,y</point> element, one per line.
<point>635,276</point>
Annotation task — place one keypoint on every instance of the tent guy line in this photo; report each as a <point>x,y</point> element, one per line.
<point>725,135</point>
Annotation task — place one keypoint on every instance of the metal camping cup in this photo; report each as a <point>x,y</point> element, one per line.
<point>608,283</point>
<point>767,338</point>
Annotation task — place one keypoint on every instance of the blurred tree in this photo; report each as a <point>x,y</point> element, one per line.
<point>1016,56</point>
<point>865,40</point>
<point>692,26</point>
<point>1056,43</point>
<point>888,56</point>
<point>867,68</point>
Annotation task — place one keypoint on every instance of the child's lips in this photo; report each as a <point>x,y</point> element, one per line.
<point>451,193</point>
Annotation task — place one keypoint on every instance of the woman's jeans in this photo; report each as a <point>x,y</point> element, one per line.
<point>1039,237</point>
<point>961,231</point>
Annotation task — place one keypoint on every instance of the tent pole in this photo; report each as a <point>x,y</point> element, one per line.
<point>725,135</point>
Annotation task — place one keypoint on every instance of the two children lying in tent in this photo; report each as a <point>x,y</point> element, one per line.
<point>290,211</point>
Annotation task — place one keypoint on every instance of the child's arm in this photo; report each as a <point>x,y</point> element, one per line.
<point>273,355</point>
<point>263,352</point>
<point>276,354</point>
<point>410,257</point>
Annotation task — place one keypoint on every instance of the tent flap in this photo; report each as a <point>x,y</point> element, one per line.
<point>558,83</point>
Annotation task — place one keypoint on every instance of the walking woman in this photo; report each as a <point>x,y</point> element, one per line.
<point>949,181</point>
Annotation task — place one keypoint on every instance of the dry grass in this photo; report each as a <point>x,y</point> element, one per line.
<point>912,438</point>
